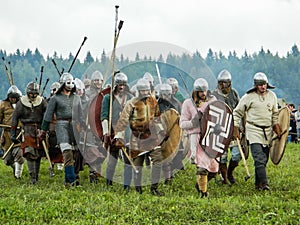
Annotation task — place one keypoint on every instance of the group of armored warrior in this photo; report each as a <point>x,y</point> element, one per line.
<point>148,124</point>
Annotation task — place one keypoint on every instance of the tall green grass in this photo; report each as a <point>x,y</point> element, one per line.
<point>48,202</point>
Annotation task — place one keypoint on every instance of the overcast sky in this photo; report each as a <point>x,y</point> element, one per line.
<point>222,25</point>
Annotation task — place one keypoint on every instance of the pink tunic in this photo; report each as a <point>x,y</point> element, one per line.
<point>188,112</point>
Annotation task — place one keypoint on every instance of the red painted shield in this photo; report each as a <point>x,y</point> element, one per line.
<point>94,113</point>
<point>216,128</point>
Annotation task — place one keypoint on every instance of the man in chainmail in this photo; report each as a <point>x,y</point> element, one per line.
<point>66,105</point>
<point>30,110</point>
<point>224,92</point>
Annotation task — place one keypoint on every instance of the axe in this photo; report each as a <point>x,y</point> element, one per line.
<point>48,158</point>
<point>129,159</point>
<point>10,147</point>
<point>243,158</point>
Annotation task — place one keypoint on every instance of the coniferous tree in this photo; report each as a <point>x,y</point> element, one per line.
<point>295,51</point>
<point>103,58</point>
<point>137,57</point>
<point>209,57</point>
<point>18,55</point>
<point>160,58</point>
<point>29,56</point>
<point>89,59</point>
<point>37,56</point>
<point>283,72</point>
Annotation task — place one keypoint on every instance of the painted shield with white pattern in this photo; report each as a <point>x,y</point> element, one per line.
<point>216,128</point>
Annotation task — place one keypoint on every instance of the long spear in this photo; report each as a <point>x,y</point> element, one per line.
<point>113,56</point>
<point>42,93</point>
<point>54,63</point>
<point>85,38</point>
<point>7,72</point>
<point>10,72</point>
<point>41,76</point>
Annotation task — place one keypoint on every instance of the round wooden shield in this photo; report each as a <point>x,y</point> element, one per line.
<point>170,120</point>
<point>216,128</point>
<point>244,142</point>
<point>278,145</point>
<point>94,113</point>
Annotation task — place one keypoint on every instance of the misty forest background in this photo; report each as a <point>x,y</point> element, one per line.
<point>283,72</point>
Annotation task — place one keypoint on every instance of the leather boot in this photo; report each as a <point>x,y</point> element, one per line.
<point>31,170</point>
<point>94,177</point>
<point>231,168</point>
<point>37,168</point>
<point>211,176</point>
<point>154,190</point>
<point>126,187</point>
<point>223,170</point>
<point>77,181</point>
<point>139,189</point>
<point>109,182</point>
<point>32,178</point>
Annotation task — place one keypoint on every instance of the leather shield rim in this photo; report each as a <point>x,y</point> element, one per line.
<point>94,113</point>
<point>173,130</point>
<point>203,127</point>
<point>284,122</point>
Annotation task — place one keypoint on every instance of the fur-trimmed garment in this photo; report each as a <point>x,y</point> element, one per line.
<point>6,111</point>
<point>30,113</point>
<point>140,115</point>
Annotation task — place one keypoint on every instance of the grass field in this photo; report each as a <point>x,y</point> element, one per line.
<point>48,202</point>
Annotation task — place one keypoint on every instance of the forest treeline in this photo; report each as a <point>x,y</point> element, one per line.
<point>283,72</point>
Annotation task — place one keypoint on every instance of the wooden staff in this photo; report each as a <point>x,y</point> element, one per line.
<point>113,56</point>
<point>47,155</point>
<point>243,158</point>
<point>129,159</point>
<point>11,146</point>
<point>10,72</point>
<point>7,126</point>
